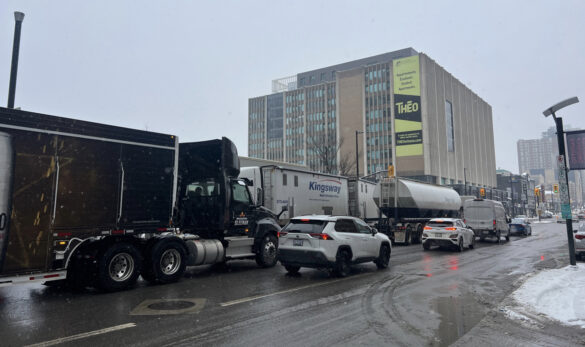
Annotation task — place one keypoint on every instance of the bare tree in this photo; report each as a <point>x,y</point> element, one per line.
<point>325,148</point>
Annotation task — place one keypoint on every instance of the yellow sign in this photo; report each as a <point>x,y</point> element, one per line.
<point>407,109</point>
<point>390,170</point>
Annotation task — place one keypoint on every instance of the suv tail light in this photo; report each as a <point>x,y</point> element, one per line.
<point>282,233</point>
<point>451,228</point>
<point>428,228</point>
<point>322,236</point>
<point>494,222</point>
<point>580,237</point>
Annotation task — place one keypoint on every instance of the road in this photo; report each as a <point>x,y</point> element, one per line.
<point>434,298</point>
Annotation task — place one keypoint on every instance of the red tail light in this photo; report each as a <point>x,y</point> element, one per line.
<point>465,221</point>
<point>428,228</point>
<point>580,237</point>
<point>451,228</point>
<point>494,222</point>
<point>322,236</point>
<point>282,233</point>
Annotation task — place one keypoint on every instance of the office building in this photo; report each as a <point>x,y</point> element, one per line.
<point>443,130</point>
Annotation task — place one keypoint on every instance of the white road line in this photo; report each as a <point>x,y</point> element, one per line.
<point>83,335</point>
<point>257,297</point>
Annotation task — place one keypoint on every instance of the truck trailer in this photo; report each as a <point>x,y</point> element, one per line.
<point>403,220</point>
<point>99,205</point>
<point>295,192</point>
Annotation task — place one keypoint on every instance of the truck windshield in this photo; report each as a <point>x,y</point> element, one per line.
<point>305,226</point>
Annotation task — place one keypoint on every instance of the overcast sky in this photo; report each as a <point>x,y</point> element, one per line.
<point>188,67</point>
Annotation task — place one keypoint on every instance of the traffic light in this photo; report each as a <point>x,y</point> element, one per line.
<point>482,192</point>
<point>536,192</point>
<point>390,170</point>
<point>556,188</point>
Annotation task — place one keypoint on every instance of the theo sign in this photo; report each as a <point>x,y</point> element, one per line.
<point>576,149</point>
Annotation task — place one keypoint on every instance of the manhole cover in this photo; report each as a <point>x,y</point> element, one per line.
<point>171,305</point>
<point>160,307</point>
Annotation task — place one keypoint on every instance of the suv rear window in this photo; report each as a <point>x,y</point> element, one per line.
<point>305,226</point>
<point>437,224</point>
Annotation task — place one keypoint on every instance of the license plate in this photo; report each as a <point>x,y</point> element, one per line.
<point>297,242</point>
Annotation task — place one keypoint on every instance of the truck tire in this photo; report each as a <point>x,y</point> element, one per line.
<point>118,267</point>
<point>419,232</point>
<point>498,237</point>
<point>384,257</point>
<point>408,236</point>
<point>266,256</point>
<point>166,262</point>
<point>342,264</point>
<point>292,269</point>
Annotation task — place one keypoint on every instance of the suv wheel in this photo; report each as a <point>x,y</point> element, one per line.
<point>342,264</point>
<point>384,257</point>
<point>472,244</point>
<point>460,245</point>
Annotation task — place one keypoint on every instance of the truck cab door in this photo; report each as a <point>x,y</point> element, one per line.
<point>241,212</point>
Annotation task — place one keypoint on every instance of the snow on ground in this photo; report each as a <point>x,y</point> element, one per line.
<point>558,294</point>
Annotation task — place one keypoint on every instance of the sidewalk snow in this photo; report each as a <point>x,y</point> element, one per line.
<point>558,294</point>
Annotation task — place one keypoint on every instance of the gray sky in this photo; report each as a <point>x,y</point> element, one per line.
<point>188,67</point>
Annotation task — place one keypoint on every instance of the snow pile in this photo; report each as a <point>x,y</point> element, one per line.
<point>558,294</point>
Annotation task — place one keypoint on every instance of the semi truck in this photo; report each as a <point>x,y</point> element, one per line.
<point>99,205</point>
<point>403,219</point>
<point>296,192</point>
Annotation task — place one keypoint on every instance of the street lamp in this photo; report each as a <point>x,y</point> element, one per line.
<point>563,175</point>
<point>18,17</point>
<point>357,154</point>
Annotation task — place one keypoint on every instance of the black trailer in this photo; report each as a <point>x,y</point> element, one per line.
<point>65,180</point>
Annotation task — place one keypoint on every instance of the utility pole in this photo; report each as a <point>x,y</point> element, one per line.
<point>18,17</point>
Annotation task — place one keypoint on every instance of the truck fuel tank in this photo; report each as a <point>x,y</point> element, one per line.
<point>203,252</point>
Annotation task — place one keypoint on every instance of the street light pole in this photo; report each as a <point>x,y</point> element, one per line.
<point>357,173</point>
<point>564,181</point>
<point>18,17</point>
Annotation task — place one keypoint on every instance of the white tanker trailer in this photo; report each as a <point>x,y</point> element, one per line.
<point>417,203</point>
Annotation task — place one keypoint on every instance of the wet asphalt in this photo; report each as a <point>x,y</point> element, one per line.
<point>426,298</point>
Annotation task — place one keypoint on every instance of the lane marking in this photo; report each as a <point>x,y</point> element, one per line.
<point>257,297</point>
<point>83,335</point>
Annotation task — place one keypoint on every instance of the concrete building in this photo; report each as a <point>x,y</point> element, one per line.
<point>443,131</point>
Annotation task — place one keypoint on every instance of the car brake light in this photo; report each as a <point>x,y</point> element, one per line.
<point>305,219</point>
<point>465,221</point>
<point>322,236</point>
<point>451,228</point>
<point>580,237</point>
<point>282,233</point>
<point>428,228</point>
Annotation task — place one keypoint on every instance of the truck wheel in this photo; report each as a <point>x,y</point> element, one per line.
<point>292,269</point>
<point>408,236</point>
<point>508,237</point>
<point>266,256</point>
<point>342,264</point>
<point>419,231</point>
<point>166,262</point>
<point>118,267</point>
<point>498,237</point>
<point>384,257</point>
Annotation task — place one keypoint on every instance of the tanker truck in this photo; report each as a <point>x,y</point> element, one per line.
<point>100,205</point>
<point>403,220</point>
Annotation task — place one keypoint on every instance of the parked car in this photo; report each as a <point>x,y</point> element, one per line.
<point>520,226</point>
<point>447,232</point>
<point>487,218</point>
<point>331,242</point>
<point>580,241</point>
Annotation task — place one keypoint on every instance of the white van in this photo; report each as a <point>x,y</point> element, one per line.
<point>487,218</point>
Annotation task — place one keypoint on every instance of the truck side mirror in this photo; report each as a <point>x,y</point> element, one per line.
<point>259,197</point>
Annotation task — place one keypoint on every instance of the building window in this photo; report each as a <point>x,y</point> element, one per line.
<point>449,122</point>
<point>296,181</point>
<point>284,179</point>
<point>322,76</point>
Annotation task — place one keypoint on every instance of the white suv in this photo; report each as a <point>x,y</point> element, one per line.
<point>332,242</point>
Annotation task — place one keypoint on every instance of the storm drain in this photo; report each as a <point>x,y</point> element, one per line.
<point>152,307</point>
